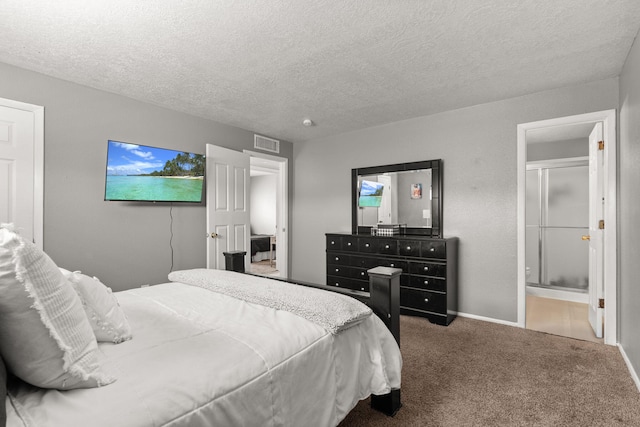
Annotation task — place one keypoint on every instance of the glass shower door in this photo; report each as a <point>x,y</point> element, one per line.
<point>557,217</point>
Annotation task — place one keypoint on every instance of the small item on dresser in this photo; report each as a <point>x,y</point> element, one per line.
<point>388,229</point>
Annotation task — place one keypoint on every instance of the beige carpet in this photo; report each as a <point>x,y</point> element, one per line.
<point>475,373</point>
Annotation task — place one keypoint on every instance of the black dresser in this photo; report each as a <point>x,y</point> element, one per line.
<point>429,280</point>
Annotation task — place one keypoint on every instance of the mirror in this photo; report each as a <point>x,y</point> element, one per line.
<point>408,195</point>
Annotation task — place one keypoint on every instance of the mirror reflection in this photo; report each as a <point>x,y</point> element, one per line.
<point>402,198</point>
<point>395,198</point>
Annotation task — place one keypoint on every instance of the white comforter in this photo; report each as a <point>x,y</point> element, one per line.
<point>203,359</point>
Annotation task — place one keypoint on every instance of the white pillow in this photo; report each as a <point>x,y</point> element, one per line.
<point>107,319</point>
<point>45,337</point>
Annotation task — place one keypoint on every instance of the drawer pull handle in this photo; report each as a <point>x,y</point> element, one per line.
<point>426,282</point>
<point>337,269</point>
<point>432,249</point>
<point>426,300</point>
<point>362,289</point>
<point>333,243</point>
<point>408,248</point>
<point>426,268</point>
<point>362,273</point>
<point>337,284</point>
<point>366,245</point>
<point>386,246</point>
<point>349,244</point>
<point>392,265</point>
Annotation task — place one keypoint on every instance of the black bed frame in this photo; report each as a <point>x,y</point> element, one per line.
<point>383,298</point>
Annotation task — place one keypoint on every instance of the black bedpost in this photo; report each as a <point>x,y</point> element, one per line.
<point>234,260</point>
<point>384,300</point>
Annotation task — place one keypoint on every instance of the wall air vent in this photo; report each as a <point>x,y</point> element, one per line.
<point>267,144</point>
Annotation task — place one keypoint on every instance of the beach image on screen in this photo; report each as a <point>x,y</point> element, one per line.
<point>143,173</point>
<point>370,194</point>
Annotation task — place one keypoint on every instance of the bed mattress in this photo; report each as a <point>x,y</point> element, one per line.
<point>199,358</point>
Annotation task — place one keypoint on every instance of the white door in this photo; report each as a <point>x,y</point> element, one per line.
<point>21,168</point>
<point>596,214</point>
<point>227,205</point>
<point>384,210</point>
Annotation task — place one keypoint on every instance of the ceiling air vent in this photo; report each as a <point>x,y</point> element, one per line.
<point>267,144</point>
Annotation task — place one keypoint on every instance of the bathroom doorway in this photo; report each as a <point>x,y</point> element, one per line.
<point>566,265</point>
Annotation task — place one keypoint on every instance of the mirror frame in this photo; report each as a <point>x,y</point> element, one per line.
<point>436,196</point>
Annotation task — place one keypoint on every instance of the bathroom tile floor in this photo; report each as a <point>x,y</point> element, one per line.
<point>558,317</point>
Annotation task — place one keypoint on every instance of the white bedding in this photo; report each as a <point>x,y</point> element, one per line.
<point>198,358</point>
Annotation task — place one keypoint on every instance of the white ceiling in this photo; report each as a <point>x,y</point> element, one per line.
<point>347,65</point>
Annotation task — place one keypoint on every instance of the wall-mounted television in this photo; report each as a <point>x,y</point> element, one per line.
<point>370,194</point>
<point>140,173</point>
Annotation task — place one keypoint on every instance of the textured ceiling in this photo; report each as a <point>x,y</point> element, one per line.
<point>267,65</point>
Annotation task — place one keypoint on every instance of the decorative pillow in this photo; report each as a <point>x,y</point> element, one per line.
<point>107,319</point>
<point>45,337</point>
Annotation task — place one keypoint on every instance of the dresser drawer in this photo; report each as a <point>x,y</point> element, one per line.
<point>363,262</point>
<point>387,247</point>
<point>348,283</point>
<point>409,248</point>
<point>434,249</point>
<point>372,262</point>
<point>428,269</point>
<point>422,282</point>
<point>349,243</point>
<point>345,271</point>
<point>334,243</point>
<point>394,263</point>
<point>367,245</point>
<point>423,300</point>
<point>338,259</point>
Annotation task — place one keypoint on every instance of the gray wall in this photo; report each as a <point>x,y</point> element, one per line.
<point>558,149</point>
<point>629,208</point>
<point>124,244</point>
<point>478,148</point>
<point>410,210</point>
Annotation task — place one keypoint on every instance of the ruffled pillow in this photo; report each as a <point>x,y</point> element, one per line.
<point>45,337</point>
<point>107,319</point>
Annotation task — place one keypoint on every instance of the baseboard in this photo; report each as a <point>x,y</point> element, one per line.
<point>489,319</point>
<point>558,294</point>
<point>632,371</point>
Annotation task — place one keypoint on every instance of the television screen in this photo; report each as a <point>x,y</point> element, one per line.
<point>151,174</point>
<point>370,194</point>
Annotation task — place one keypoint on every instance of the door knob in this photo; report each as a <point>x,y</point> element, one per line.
<point>586,237</point>
<point>213,235</point>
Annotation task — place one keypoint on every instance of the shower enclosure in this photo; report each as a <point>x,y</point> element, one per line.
<point>557,215</point>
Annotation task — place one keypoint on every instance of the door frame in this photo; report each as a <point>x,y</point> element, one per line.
<point>608,119</point>
<point>38,165</point>
<point>282,209</point>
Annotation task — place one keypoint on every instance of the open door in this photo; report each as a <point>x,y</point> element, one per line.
<point>596,227</point>
<point>228,218</point>
<point>21,168</point>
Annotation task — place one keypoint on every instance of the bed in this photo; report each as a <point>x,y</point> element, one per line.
<point>262,247</point>
<point>213,347</point>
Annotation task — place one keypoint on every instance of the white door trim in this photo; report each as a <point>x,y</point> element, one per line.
<point>608,119</point>
<point>282,219</point>
<point>38,165</point>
